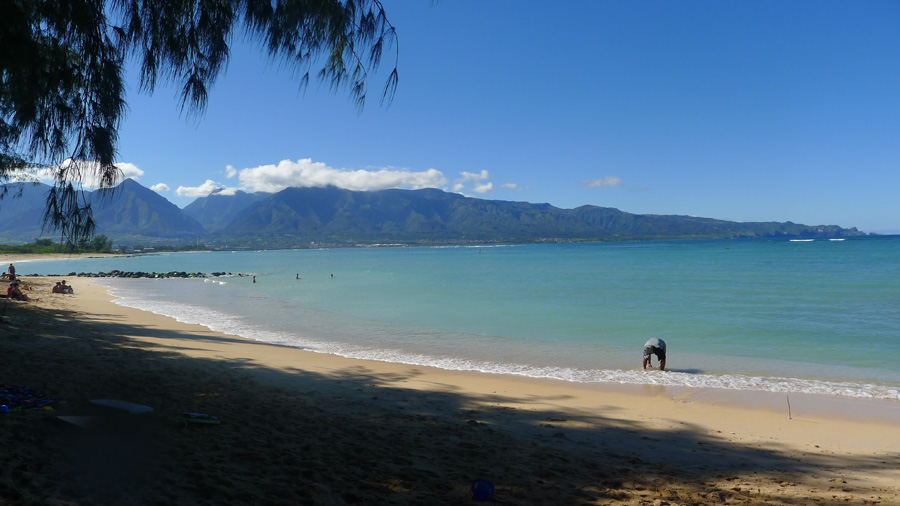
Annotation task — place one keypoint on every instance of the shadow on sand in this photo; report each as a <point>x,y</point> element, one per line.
<point>299,437</point>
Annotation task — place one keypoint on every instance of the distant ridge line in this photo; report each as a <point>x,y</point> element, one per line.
<point>334,217</point>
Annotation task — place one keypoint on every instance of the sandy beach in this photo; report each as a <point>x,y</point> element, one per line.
<point>6,259</point>
<point>305,428</point>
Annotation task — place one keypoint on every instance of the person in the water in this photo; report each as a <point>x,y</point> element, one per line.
<point>656,347</point>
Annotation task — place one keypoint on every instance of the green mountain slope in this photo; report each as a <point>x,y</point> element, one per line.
<point>217,211</point>
<point>21,211</point>
<point>129,213</point>
<point>332,215</point>
<point>133,210</point>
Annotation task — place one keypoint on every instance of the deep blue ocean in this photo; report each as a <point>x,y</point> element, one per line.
<point>818,316</point>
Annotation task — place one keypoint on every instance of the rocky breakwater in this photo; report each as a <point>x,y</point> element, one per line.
<point>152,275</point>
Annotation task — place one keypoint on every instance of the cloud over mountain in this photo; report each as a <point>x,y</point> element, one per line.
<point>198,191</point>
<point>306,173</point>
<point>83,172</point>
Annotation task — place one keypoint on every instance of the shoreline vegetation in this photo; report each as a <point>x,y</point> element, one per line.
<point>26,252</point>
<point>99,244</point>
<point>305,428</point>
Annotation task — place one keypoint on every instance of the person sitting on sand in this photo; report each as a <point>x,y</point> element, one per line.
<point>656,347</point>
<point>14,293</point>
<point>67,288</point>
<point>57,288</point>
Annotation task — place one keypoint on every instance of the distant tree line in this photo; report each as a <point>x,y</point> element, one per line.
<point>168,247</point>
<point>97,244</point>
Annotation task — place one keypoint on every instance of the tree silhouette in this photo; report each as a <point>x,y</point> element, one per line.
<point>62,95</point>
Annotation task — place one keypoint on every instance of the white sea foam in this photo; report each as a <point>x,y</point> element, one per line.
<point>241,326</point>
<point>669,378</point>
<point>214,320</point>
<point>472,246</point>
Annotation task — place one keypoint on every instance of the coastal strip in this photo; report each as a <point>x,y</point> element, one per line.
<point>300,427</point>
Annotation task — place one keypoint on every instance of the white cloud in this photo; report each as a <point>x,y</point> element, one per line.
<point>230,171</point>
<point>600,183</point>
<point>129,170</point>
<point>20,176</point>
<point>483,188</point>
<point>476,179</point>
<point>226,191</point>
<point>510,186</point>
<point>198,191</point>
<point>44,175</point>
<point>160,187</point>
<point>471,176</point>
<point>86,172</point>
<point>305,172</point>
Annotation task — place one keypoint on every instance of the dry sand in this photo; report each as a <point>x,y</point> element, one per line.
<point>305,428</point>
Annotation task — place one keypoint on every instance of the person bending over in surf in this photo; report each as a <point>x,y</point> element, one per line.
<point>656,347</point>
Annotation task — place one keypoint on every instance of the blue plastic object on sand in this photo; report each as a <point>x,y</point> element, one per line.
<point>482,490</point>
<point>130,407</point>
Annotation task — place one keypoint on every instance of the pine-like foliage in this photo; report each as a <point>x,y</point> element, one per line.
<point>62,97</point>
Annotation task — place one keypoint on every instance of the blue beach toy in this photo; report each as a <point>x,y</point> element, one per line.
<point>482,490</point>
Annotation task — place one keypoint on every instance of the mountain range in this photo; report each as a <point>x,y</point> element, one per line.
<point>316,217</point>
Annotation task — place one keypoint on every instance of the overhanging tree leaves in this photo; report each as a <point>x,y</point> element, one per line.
<point>62,96</point>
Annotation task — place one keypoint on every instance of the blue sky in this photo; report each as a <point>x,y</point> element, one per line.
<point>745,111</point>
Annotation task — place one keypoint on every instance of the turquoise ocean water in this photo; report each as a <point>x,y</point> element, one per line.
<point>786,316</point>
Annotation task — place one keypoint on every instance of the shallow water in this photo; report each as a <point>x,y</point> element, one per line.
<point>818,316</point>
